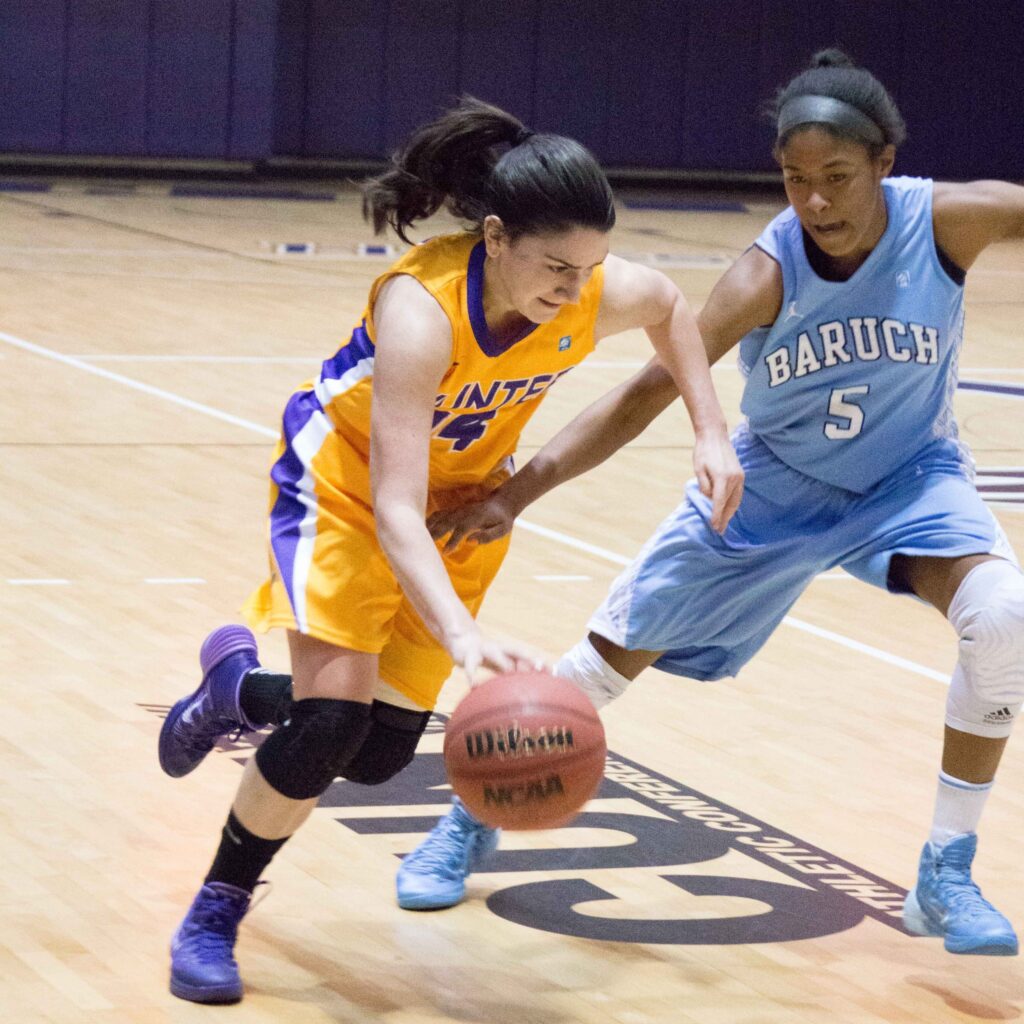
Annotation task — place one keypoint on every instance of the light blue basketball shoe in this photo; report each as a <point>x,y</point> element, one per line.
<point>433,876</point>
<point>947,902</point>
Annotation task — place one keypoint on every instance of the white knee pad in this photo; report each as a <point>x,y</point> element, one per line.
<point>987,689</point>
<point>592,674</point>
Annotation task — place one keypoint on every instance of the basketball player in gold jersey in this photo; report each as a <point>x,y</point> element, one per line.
<point>418,412</point>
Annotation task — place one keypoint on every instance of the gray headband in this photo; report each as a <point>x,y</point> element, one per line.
<point>807,109</point>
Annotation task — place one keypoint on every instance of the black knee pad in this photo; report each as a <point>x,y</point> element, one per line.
<point>390,744</point>
<point>302,757</point>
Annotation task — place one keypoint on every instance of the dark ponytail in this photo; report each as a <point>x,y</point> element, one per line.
<point>833,74</point>
<point>540,183</point>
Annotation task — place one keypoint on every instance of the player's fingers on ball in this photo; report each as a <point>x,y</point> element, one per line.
<point>499,660</point>
<point>471,666</point>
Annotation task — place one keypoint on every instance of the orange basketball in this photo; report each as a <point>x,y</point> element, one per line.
<point>525,750</point>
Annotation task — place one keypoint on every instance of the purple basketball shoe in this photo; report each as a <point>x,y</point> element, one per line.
<point>197,721</point>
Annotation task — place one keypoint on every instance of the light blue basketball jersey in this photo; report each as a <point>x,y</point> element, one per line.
<point>856,377</point>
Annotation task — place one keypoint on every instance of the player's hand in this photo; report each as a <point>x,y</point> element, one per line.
<point>719,475</point>
<point>480,522</point>
<point>474,651</point>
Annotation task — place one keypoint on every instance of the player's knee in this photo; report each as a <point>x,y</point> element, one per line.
<point>304,756</point>
<point>390,745</point>
<point>992,630</point>
<point>988,687</point>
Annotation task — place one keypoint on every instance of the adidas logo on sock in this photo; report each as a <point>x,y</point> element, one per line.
<point>1002,715</point>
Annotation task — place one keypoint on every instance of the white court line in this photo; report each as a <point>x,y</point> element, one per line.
<point>542,531</point>
<point>572,542</point>
<point>989,394</point>
<point>874,652</point>
<point>170,580</point>
<point>163,253</point>
<point>117,378</point>
<point>145,358</point>
<point>991,369</point>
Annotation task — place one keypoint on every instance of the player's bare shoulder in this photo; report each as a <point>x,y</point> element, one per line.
<point>968,216</point>
<point>754,282</point>
<point>403,296</point>
<point>408,319</point>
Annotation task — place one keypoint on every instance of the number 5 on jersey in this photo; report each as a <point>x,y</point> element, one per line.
<point>849,414</point>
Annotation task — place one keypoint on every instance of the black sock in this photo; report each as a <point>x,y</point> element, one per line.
<point>265,697</point>
<point>242,856</point>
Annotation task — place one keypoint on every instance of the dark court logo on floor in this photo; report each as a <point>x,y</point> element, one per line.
<point>815,893</point>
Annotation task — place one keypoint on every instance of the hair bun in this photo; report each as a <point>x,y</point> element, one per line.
<point>831,58</point>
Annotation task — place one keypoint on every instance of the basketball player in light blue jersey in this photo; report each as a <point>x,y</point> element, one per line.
<point>848,311</point>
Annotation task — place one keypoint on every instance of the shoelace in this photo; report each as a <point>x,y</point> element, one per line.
<point>446,850</point>
<point>202,740</point>
<point>218,919</point>
<point>962,894</point>
<point>216,925</point>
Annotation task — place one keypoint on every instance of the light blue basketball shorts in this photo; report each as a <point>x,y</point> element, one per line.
<point>710,601</point>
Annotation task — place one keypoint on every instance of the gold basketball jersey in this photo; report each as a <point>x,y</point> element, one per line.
<point>488,393</point>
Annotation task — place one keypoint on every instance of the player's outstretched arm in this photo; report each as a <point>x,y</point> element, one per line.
<point>593,436</point>
<point>971,215</point>
<point>748,295</point>
<point>636,296</point>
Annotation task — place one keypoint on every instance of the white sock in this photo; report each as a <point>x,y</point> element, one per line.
<point>958,807</point>
<point>592,674</point>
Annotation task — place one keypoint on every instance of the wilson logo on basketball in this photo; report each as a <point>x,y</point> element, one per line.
<point>519,741</point>
<point>530,791</point>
